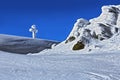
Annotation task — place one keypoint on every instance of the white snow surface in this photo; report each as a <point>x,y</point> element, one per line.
<point>24,45</point>
<point>61,63</point>
<point>56,66</point>
<point>99,60</point>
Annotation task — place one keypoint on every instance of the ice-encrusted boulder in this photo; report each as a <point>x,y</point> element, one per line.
<point>118,19</point>
<point>76,31</point>
<point>106,25</point>
<point>109,15</point>
<point>100,28</point>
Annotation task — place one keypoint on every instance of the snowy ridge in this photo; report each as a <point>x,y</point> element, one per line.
<point>96,33</point>
<point>24,45</point>
<point>90,52</point>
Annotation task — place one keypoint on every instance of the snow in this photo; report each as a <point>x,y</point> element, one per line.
<point>99,60</point>
<point>77,27</point>
<point>34,30</point>
<point>98,66</point>
<point>97,29</point>
<point>60,63</point>
<point>24,45</point>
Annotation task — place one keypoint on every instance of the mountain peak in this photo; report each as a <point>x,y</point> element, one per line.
<point>85,33</point>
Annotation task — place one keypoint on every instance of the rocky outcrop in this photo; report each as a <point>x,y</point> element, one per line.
<point>76,31</point>
<point>100,28</point>
<point>78,46</point>
<point>109,15</point>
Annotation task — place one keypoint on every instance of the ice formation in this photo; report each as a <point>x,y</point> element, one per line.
<point>100,28</point>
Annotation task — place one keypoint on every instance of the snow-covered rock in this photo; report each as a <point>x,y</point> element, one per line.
<point>77,27</point>
<point>99,60</point>
<point>109,15</point>
<point>101,28</point>
<point>106,24</point>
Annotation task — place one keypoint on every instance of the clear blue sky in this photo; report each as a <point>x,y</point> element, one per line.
<point>53,18</point>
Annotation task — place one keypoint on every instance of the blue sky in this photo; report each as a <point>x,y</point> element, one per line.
<point>53,18</point>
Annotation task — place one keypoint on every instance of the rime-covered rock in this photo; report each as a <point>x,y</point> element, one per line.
<point>106,25</point>
<point>76,31</point>
<point>101,28</point>
<point>109,15</point>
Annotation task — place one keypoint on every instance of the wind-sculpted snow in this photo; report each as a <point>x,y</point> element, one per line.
<point>98,29</point>
<point>101,66</point>
<point>23,45</point>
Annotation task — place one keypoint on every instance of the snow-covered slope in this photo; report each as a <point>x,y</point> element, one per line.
<point>101,66</point>
<point>90,52</point>
<point>23,45</point>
